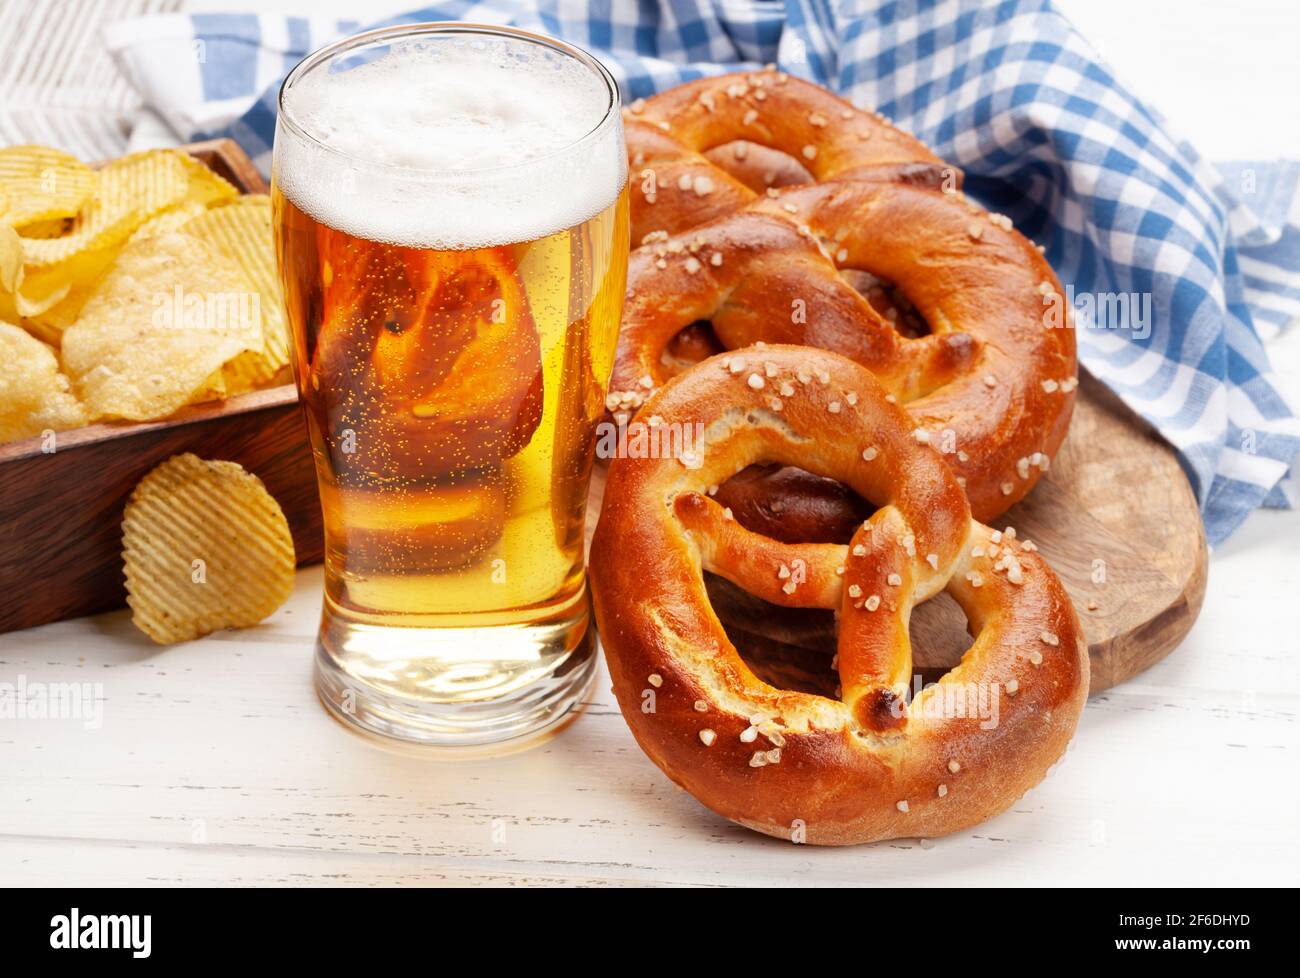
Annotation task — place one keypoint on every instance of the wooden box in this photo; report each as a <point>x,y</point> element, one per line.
<point>61,512</point>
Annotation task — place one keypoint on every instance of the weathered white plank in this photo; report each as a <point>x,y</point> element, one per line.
<point>215,762</point>
<point>156,864</point>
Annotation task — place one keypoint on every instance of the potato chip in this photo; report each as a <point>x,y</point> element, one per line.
<point>11,259</point>
<point>205,546</point>
<point>45,321</point>
<point>206,187</point>
<point>46,315</point>
<point>45,326</point>
<point>43,183</point>
<point>131,190</point>
<point>53,228</point>
<point>172,219</point>
<point>27,307</point>
<point>34,395</point>
<point>213,388</point>
<point>243,233</point>
<point>52,296</point>
<point>170,313</point>
<point>247,372</point>
<point>78,275</point>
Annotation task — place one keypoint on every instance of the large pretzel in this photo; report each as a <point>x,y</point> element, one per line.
<point>868,766</point>
<point>992,385</point>
<point>715,148</point>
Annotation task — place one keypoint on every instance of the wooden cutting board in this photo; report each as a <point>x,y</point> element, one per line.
<point>1116,519</point>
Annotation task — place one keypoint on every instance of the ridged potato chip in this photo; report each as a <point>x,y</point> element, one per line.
<point>43,183</point>
<point>205,547</point>
<point>52,297</point>
<point>242,232</point>
<point>44,321</point>
<point>206,187</point>
<point>170,313</point>
<point>11,259</point>
<point>53,228</point>
<point>48,308</point>
<point>34,396</point>
<point>130,191</point>
<point>172,219</point>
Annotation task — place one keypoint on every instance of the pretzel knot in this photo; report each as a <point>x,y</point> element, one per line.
<point>859,253</point>
<point>871,765</point>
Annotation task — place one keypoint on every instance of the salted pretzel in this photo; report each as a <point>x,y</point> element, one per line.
<point>870,765</point>
<point>720,147</point>
<point>713,145</point>
<point>991,385</point>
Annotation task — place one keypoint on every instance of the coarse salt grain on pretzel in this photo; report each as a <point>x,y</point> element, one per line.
<point>869,766</point>
<point>992,384</point>
<point>713,145</point>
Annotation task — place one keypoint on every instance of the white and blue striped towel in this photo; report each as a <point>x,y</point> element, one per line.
<point>1009,92</point>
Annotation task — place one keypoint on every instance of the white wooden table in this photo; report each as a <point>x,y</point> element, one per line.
<point>214,763</point>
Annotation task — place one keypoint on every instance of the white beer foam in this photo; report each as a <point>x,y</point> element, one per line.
<point>451,143</point>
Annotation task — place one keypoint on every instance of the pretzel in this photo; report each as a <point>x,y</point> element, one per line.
<point>869,766</point>
<point>708,149</point>
<point>711,146</point>
<point>991,386</point>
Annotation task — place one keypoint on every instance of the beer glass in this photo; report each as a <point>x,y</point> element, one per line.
<point>450,211</point>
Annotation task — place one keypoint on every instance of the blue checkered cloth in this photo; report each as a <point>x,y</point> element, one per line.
<point>1015,96</point>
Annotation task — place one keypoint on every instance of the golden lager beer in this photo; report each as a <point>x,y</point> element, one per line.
<point>451,221</point>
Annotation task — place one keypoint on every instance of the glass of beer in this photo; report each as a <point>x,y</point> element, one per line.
<point>450,208</point>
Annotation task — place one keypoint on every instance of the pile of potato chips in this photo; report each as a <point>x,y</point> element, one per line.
<point>130,291</point>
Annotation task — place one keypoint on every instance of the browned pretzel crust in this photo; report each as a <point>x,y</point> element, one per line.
<point>792,764</point>
<point>721,241</point>
<point>710,146</point>
<point>992,385</point>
